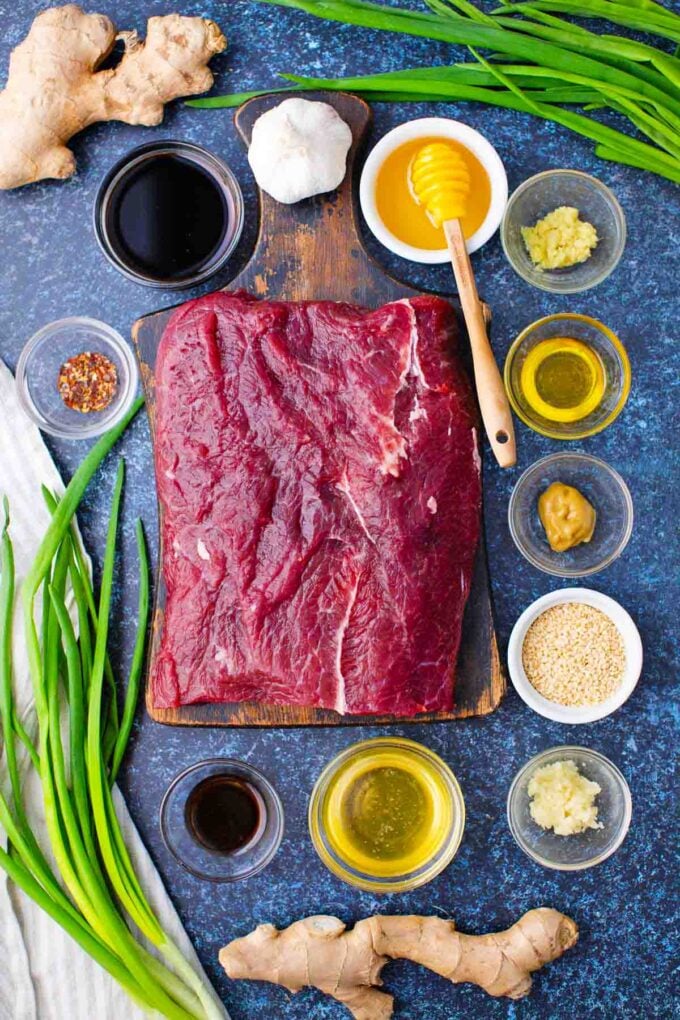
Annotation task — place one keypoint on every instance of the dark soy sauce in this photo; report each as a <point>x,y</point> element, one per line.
<point>168,217</point>
<point>224,813</point>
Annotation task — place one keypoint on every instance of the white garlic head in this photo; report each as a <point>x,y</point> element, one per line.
<point>299,149</point>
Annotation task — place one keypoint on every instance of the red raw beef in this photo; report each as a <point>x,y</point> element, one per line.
<point>318,471</point>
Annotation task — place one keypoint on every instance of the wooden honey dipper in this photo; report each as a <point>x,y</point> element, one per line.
<point>440,181</point>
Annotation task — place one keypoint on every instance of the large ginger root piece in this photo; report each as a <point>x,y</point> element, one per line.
<point>54,89</point>
<point>318,951</point>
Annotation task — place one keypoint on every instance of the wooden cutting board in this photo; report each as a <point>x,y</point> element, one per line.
<point>313,250</point>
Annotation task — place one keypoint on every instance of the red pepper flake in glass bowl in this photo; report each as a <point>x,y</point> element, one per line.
<point>88,382</point>
<point>76,378</point>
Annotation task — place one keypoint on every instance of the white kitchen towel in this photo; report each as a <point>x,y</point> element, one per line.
<point>44,974</point>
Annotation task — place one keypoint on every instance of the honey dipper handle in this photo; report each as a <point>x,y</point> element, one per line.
<point>493,400</point>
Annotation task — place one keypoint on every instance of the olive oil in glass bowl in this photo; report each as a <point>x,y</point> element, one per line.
<point>386,815</point>
<point>567,376</point>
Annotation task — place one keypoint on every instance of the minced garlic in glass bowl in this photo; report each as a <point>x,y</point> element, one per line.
<point>560,240</point>
<point>542,194</point>
<point>563,799</point>
<point>586,845</point>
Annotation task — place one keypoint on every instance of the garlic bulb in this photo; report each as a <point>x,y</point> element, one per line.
<point>299,149</point>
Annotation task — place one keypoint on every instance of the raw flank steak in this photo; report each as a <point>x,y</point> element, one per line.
<point>319,477</point>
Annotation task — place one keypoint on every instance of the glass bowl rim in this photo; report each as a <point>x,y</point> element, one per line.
<point>260,780</point>
<point>620,350</point>
<point>116,341</point>
<point>552,458</point>
<point>123,166</point>
<point>610,767</point>
<point>548,282</point>
<point>402,883</point>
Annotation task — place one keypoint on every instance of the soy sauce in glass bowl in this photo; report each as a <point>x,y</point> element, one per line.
<point>222,820</point>
<point>169,214</point>
<point>225,813</point>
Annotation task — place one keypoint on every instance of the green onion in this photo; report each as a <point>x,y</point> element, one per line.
<point>637,81</point>
<point>61,522</point>
<point>7,587</point>
<point>94,893</point>
<point>23,878</point>
<point>6,617</point>
<point>654,19</point>
<point>455,28</point>
<point>135,675</point>
<point>409,86</point>
<point>627,54</point>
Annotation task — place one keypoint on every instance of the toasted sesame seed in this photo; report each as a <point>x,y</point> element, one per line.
<point>574,655</point>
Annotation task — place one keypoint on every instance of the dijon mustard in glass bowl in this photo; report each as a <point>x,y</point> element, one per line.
<point>603,488</point>
<point>386,815</point>
<point>567,376</point>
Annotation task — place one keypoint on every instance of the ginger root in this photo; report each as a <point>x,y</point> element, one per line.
<point>319,951</point>
<point>54,89</point>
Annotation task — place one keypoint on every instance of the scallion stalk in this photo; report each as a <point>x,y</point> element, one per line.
<point>654,20</point>
<point>97,897</point>
<point>137,665</point>
<point>633,79</point>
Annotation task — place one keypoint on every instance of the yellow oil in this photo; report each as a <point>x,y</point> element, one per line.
<point>563,379</point>
<point>401,213</point>
<point>387,812</point>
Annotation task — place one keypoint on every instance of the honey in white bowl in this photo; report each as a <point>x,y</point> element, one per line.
<point>408,220</point>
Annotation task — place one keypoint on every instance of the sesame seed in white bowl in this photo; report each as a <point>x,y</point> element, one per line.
<point>609,668</point>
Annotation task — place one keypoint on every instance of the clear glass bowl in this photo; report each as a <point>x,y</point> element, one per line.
<point>212,165</point>
<point>602,487</point>
<point>608,349</point>
<point>196,858</point>
<point>597,205</point>
<point>447,848</point>
<point>584,849</point>
<point>38,371</point>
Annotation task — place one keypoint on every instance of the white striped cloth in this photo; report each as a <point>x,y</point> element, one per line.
<point>44,975</point>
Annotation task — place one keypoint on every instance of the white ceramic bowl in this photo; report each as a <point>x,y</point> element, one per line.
<point>584,713</point>
<point>442,127</point>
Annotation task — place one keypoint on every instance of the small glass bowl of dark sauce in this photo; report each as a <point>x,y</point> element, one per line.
<point>169,214</point>
<point>222,820</point>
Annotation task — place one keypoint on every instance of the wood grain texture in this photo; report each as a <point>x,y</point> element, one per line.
<point>491,395</point>
<point>313,251</point>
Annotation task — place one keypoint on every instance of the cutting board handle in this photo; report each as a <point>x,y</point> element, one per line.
<point>306,241</point>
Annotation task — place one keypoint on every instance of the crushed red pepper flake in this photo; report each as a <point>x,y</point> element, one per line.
<point>88,382</point>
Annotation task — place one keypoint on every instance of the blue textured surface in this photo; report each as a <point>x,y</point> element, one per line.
<point>622,967</point>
